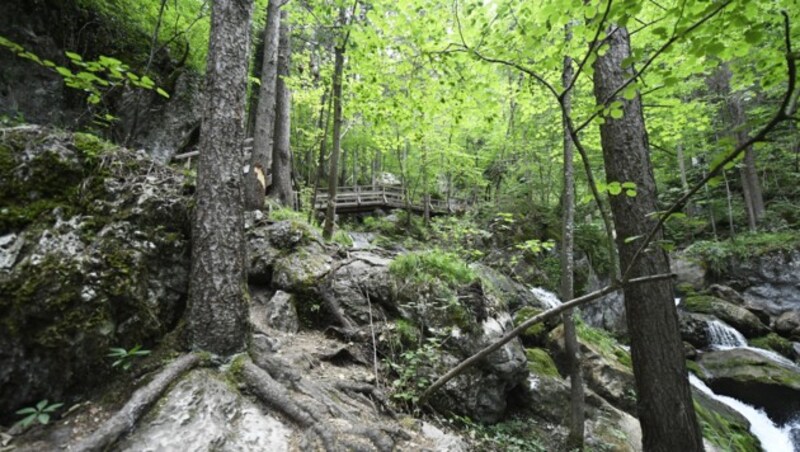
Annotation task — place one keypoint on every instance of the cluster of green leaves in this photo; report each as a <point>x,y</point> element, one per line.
<point>124,358</point>
<point>411,380</point>
<point>93,77</point>
<point>39,413</point>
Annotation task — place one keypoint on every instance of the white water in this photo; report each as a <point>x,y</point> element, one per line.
<point>548,299</point>
<point>773,438</point>
<point>724,336</point>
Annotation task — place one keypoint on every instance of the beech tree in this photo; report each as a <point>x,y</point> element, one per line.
<point>217,310</point>
<point>665,407</point>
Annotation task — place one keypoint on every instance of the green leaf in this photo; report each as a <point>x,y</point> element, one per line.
<point>40,406</point>
<point>628,185</point>
<point>631,193</point>
<point>53,407</point>
<point>614,188</point>
<point>43,418</point>
<point>73,56</point>
<point>162,93</point>
<point>27,410</point>
<point>64,71</point>
<point>752,36</point>
<point>632,239</point>
<point>616,114</point>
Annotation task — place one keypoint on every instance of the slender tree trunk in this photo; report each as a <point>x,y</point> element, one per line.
<point>736,121</point>
<point>338,70</point>
<point>217,309</point>
<point>665,406</point>
<point>730,203</point>
<point>261,159</point>
<point>323,125</point>
<point>576,420</point>
<point>281,153</point>
<point>710,207</point>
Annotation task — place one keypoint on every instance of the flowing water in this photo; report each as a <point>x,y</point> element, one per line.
<point>724,336</point>
<point>772,437</point>
<point>548,299</point>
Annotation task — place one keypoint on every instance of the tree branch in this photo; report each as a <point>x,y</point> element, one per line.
<point>574,303</point>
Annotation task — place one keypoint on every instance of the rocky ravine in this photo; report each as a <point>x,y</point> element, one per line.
<point>94,254</point>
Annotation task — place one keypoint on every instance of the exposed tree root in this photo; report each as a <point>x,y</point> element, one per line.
<point>274,394</point>
<point>370,391</point>
<point>124,420</point>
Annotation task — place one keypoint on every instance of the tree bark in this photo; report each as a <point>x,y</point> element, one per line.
<point>576,420</point>
<point>338,70</point>
<point>737,124</point>
<point>261,158</point>
<point>217,310</point>
<point>665,407</point>
<point>281,153</point>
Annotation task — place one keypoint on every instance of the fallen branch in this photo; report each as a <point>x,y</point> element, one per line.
<point>125,419</point>
<point>575,302</point>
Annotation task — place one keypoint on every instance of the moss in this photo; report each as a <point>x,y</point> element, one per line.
<point>724,432</point>
<point>408,332</point>
<point>775,343</point>
<point>605,344</point>
<point>717,255</point>
<point>536,332</point>
<point>540,363</point>
<point>90,147</point>
<point>695,368</point>
<point>703,304</point>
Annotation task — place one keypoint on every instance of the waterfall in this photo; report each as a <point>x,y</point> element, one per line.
<point>772,438</point>
<point>723,336</point>
<point>547,298</point>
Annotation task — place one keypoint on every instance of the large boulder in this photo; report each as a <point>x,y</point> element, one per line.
<point>736,316</point>
<point>788,324</point>
<point>770,281</point>
<point>607,312</point>
<point>755,379</point>
<point>694,328</point>
<point>606,365</point>
<point>100,259</point>
<point>689,272</point>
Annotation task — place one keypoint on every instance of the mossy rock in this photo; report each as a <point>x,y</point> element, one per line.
<point>724,431</point>
<point>736,316</point>
<point>540,363</point>
<point>535,334</point>
<point>774,342</point>
<point>754,379</point>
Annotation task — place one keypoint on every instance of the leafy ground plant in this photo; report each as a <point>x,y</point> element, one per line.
<point>124,358</point>
<point>39,413</point>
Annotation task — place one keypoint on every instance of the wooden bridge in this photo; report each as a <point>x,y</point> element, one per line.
<point>366,198</point>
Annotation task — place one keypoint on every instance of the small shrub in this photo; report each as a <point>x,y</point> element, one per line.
<point>124,358</point>
<point>342,238</point>
<point>39,413</point>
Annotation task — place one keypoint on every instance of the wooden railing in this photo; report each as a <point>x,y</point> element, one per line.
<point>366,197</point>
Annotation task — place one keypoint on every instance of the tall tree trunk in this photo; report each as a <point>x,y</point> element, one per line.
<point>736,121</point>
<point>665,407</point>
<point>576,419</point>
<point>217,310</point>
<point>281,153</point>
<point>323,124</point>
<point>261,158</point>
<point>338,70</point>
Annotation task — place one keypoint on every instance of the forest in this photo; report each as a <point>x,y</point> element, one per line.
<point>411,225</point>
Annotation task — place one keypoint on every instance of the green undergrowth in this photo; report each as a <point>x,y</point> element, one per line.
<point>717,254</point>
<point>540,363</point>
<point>604,343</point>
<point>534,334</point>
<point>515,434</point>
<point>434,264</point>
<point>723,432</point>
